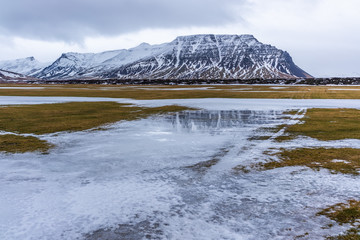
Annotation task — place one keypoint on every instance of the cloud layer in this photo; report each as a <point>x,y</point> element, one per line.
<point>76,19</point>
<point>322,36</point>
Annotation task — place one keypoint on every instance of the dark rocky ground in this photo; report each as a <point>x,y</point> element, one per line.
<point>305,81</point>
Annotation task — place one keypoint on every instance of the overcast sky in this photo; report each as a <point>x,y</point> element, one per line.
<point>322,36</point>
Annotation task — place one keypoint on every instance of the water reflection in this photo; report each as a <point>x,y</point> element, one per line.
<point>216,120</point>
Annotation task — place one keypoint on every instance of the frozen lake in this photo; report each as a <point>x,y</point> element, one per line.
<point>171,177</point>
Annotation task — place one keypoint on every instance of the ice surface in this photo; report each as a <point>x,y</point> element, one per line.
<point>139,179</point>
<point>278,87</point>
<point>11,100</point>
<point>208,103</point>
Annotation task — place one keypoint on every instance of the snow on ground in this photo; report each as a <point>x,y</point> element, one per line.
<point>12,100</point>
<point>205,103</point>
<point>133,179</point>
<point>278,87</point>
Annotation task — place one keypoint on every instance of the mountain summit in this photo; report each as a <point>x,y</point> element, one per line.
<point>187,57</point>
<point>25,66</point>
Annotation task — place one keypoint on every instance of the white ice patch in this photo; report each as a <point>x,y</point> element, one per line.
<point>340,161</point>
<point>278,88</point>
<point>252,104</point>
<point>19,100</point>
<point>141,177</point>
<point>208,103</point>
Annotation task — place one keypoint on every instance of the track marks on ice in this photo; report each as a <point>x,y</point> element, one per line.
<point>250,153</point>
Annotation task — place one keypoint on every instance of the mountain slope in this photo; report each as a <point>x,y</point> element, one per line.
<point>26,66</point>
<point>187,57</point>
<point>7,76</point>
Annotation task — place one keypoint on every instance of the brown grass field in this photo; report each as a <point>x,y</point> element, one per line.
<point>328,124</point>
<point>168,92</point>
<point>11,143</point>
<point>74,116</point>
<point>337,160</point>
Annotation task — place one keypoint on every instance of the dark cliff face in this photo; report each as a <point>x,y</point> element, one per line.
<point>289,64</point>
<point>187,57</point>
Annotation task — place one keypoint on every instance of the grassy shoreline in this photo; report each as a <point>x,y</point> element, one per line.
<point>10,143</point>
<point>323,125</point>
<point>73,116</point>
<point>336,160</point>
<point>328,124</point>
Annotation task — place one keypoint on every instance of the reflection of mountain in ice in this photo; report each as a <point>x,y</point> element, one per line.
<point>135,180</point>
<point>216,120</point>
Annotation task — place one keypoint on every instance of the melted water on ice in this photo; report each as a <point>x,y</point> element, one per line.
<point>168,177</point>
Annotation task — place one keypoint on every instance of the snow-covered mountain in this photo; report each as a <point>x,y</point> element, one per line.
<point>187,57</point>
<point>26,66</point>
<point>7,76</point>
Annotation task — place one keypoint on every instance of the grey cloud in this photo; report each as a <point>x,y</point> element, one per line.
<point>72,20</point>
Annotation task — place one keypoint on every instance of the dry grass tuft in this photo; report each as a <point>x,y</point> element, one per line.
<point>337,160</point>
<point>74,116</point>
<point>351,234</point>
<point>345,213</point>
<point>328,124</point>
<point>10,143</point>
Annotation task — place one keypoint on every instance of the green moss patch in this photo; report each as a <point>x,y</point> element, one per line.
<point>73,116</point>
<point>345,213</point>
<point>10,143</point>
<point>328,124</point>
<point>351,234</point>
<point>337,160</point>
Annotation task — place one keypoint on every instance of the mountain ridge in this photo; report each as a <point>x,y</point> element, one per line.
<point>230,60</point>
<point>203,56</point>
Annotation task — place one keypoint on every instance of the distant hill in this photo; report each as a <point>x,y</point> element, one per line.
<point>25,66</point>
<point>7,76</point>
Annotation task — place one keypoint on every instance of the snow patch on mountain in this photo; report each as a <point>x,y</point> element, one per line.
<point>25,66</point>
<point>204,56</point>
<point>8,74</point>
